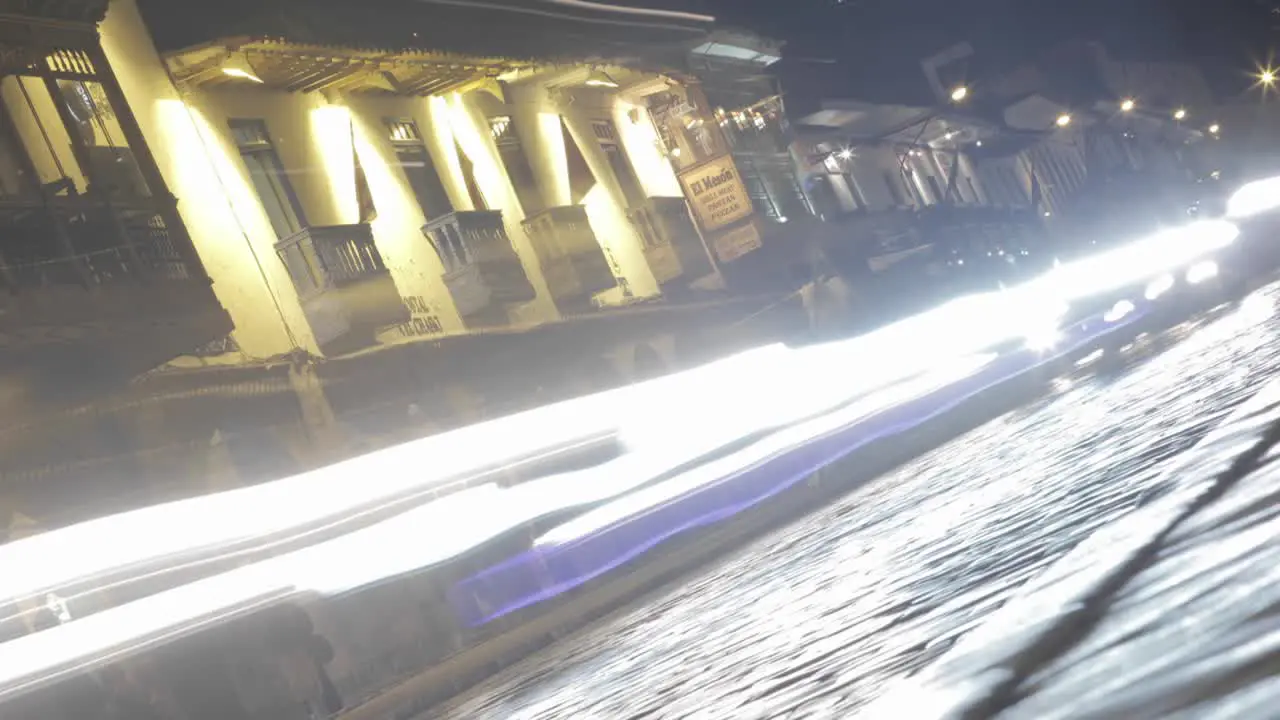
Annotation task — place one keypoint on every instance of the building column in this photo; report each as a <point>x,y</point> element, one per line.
<point>328,443</point>
<point>608,213</point>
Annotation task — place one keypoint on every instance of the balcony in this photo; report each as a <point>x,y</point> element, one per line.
<point>672,246</point>
<point>572,260</point>
<point>345,289</point>
<point>97,291</point>
<point>481,268</point>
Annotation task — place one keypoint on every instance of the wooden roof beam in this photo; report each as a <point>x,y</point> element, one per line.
<point>316,75</point>
<point>327,81</point>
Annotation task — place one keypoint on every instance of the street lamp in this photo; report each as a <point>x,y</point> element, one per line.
<point>1267,77</point>
<point>959,94</point>
<point>1127,105</point>
<point>1063,120</point>
<point>1180,114</point>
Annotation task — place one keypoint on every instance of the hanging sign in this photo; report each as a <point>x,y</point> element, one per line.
<point>716,193</point>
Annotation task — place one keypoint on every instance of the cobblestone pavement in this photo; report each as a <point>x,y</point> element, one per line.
<point>817,619</point>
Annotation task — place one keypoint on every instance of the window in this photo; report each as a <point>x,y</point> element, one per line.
<point>419,170</point>
<point>607,136</point>
<point>517,165</point>
<point>756,189</point>
<point>268,176</point>
<point>92,120</point>
<point>686,127</point>
<point>17,176</point>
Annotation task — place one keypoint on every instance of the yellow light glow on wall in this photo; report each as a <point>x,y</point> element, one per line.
<point>221,212</point>
<point>332,135</point>
<point>222,206</point>
<point>640,141</point>
<point>551,138</point>
<point>618,238</point>
<point>489,176</point>
<point>477,143</point>
<point>397,229</point>
<point>451,169</point>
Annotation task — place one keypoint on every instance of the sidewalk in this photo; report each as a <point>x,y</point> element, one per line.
<point>1168,613</point>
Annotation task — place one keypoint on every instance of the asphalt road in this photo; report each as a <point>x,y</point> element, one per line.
<point>819,618</point>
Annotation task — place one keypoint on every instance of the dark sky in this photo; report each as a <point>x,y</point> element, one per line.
<point>1225,35</point>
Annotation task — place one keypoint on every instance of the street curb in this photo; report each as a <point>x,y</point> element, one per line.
<point>980,677</point>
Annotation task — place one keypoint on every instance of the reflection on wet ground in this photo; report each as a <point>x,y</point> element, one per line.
<point>816,619</point>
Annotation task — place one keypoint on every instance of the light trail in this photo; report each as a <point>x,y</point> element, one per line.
<point>803,397</point>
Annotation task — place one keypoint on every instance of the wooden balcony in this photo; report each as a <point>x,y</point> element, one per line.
<point>93,293</point>
<point>481,268</point>
<point>671,242</point>
<point>572,260</point>
<point>345,289</point>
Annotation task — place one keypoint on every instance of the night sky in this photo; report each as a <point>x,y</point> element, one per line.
<point>1226,36</point>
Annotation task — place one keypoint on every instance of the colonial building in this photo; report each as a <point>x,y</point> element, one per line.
<point>99,277</point>
<point>992,167</point>
<point>430,169</point>
<point>415,214</point>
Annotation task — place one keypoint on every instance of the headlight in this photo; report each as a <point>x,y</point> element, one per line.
<point>1201,271</point>
<point>1254,198</point>
<point>1159,286</point>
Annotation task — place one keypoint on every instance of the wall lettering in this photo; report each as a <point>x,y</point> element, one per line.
<point>423,320</point>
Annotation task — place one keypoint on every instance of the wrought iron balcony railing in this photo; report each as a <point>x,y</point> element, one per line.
<point>481,268</point>
<point>78,241</point>
<point>672,246</point>
<point>573,263</point>
<point>345,289</point>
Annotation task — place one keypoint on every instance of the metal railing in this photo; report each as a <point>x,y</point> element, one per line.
<point>326,257</point>
<point>79,240</point>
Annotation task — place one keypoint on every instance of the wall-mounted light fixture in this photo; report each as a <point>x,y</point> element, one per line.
<point>237,66</point>
<point>599,78</point>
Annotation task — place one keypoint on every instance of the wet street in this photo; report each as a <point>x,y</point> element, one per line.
<point>821,617</point>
